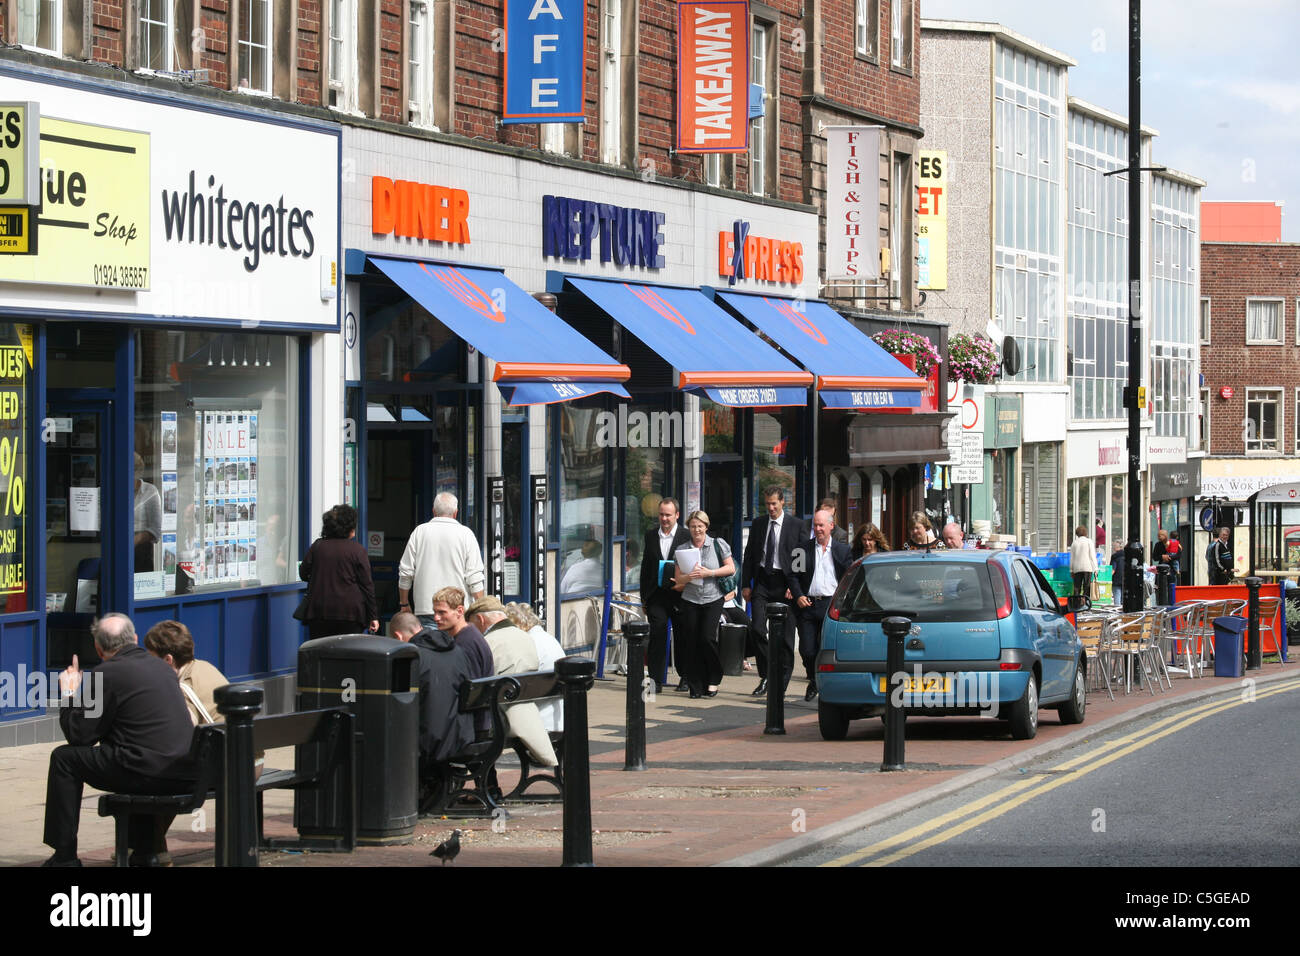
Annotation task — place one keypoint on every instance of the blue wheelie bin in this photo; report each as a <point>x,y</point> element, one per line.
<point>1229,644</point>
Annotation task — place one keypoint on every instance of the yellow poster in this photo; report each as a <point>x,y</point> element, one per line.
<point>94,217</point>
<point>18,123</point>
<point>932,219</point>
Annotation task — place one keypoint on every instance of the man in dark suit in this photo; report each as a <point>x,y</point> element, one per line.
<point>766,575</point>
<point>661,601</point>
<point>824,561</point>
<point>130,733</point>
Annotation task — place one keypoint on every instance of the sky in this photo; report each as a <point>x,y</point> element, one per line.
<point>1219,82</point>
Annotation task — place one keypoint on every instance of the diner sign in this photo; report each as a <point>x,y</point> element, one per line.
<point>713,77</point>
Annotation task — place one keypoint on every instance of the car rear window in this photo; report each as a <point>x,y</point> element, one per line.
<point>928,590</point>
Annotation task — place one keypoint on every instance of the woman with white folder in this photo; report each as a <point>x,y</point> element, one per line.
<point>703,568</point>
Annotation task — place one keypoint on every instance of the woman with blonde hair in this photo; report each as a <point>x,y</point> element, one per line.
<point>702,599</point>
<point>921,536</point>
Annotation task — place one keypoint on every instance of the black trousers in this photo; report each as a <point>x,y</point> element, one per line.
<point>760,598</point>
<point>697,654</point>
<point>659,610</point>
<point>72,768</point>
<point>811,620</point>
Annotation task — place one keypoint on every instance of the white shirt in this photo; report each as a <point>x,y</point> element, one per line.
<point>666,542</point>
<point>548,652</point>
<point>823,582</point>
<point>440,553</point>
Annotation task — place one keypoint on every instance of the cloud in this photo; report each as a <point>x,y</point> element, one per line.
<point>1276,96</point>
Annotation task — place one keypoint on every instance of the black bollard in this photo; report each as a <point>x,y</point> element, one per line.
<point>895,629</point>
<point>1135,588</point>
<point>637,635</point>
<point>237,803</point>
<point>1164,583</point>
<point>1254,653</point>
<point>577,675</point>
<point>776,668</point>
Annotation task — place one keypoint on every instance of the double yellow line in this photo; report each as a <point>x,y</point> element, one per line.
<point>945,827</point>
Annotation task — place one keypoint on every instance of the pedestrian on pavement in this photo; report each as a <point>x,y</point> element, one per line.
<point>172,642</point>
<point>953,538</point>
<point>921,536</point>
<point>1175,551</point>
<point>838,533</point>
<point>766,576</point>
<point>821,574</point>
<point>1117,574</point>
<point>340,591</point>
<point>449,616</point>
<point>440,553</point>
<point>444,668</point>
<point>548,652</point>
<point>131,735</point>
<point>702,598</point>
<point>869,540</point>
<point>661,603</point>
<point>1083,562</point>
<point>1218,557</point>
<point>513,652</point>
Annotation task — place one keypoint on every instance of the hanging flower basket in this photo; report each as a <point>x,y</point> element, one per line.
<point>973,358</point>
<point>903,342</point>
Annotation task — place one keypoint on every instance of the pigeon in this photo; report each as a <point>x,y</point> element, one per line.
<point>448,848</point>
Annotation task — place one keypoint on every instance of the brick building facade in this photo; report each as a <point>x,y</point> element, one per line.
<point>1250,292</point>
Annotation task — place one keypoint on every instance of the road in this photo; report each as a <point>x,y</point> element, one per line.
<point>1212,785</point>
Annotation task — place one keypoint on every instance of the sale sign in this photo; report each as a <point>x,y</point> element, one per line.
<point>545,49</point>
<point>713,77</point>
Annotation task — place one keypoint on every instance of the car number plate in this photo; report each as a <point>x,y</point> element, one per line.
<point>933,684</point>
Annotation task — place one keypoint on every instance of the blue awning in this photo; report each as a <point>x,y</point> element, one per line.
<point>539,358</point>
<point>708,351</point>
<point>852,371</point>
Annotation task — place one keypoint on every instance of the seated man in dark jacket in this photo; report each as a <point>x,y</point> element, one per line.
<point>128,733</point>
<point>444,667</point>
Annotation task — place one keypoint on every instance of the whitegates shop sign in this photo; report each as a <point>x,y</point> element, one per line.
<point>162,209</point>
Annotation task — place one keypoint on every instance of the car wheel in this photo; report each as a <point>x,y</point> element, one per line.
<point>1024,712</point>
<point>1072,710</point>
<point>833,721</point>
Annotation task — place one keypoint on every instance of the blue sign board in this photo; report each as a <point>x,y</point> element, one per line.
<point>545,49</point>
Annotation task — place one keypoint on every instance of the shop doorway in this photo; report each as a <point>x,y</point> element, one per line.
<point>722,498</point>
<point>399,498</point>
<point>81,578</point>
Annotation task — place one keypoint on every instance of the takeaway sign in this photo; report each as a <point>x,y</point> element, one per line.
<point>713,77</point>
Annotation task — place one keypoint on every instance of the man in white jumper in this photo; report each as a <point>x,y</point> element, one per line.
<point>441,553</point>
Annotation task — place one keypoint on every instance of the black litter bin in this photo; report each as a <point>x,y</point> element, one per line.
<point>731,648</point>
<point>374,678</point>
<point>1228,645</point>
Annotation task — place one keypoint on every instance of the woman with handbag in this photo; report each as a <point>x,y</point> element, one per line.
<point>1083,563</point>
<point>340,592</point>
<point>703,589</point>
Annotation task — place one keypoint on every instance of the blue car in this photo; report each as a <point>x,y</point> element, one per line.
<point>988,637</point>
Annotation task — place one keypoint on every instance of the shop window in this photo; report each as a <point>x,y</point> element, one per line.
<point>16,496</point>
<point>410,346</point>
<point>1203,421</point>
<point>216,441</point>
<point>645,477</point>
<point>583,491</point>
<point>900,35</point>
<point>611,81</point>
<point>1263,419</point>
<point>866,27</point>
<point>39,25</point>
<point>762,131</point>
<point>341,54</point>
<point>778,448</point>
<point>1263,321</point>
<point>164,35</point>
<point>254,45</point>
<point>420,58</point>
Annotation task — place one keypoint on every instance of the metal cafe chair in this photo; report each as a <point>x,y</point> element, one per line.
<point>1268,607</point>
<point>1093,637</point>
<point>1178,638</point>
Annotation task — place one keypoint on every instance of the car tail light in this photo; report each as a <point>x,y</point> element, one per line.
<point>1009,666</point>
<point>825,668</point>
<point>1003,584</point>
<point>833,613</point>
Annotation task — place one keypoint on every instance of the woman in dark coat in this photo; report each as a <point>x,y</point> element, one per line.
<point>340,592</point>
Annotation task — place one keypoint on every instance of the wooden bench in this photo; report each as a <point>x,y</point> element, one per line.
<point>330,730</point>
<point>448,792</point>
